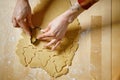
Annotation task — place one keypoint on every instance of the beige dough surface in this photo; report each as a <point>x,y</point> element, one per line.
<point>55,63</point>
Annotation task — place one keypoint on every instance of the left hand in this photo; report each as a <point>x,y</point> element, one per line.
<point>22,16</point>
<point>54,32</point>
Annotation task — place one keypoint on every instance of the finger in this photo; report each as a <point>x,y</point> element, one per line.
<point>45,30</point>
<point>54,47</point>
<point>51,43</point>
<point>25,27</point>
<point>30,21</point>
<point>14,22</point>
<point>60,35</point>
<point>47,38</point>
<point>47,34</point>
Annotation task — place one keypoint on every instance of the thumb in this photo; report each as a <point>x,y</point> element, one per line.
<point>14,22</point>
<point>45,30</point>
<point>30,21</point>
<point>25,27</point>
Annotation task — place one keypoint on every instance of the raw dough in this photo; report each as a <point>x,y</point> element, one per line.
<point>55,63</point>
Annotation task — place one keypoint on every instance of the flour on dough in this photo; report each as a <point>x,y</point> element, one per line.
<point>53,62</point>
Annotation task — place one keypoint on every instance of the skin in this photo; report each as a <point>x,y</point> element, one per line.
<point>55,30</point>
<point>22,16</point>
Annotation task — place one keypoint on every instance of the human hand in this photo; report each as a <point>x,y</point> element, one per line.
<point>56,29</point>
<point>54,32</point>
<point>22,16</point>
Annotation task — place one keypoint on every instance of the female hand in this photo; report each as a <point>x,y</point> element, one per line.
<point>22,16</point>
<point>55,31</point>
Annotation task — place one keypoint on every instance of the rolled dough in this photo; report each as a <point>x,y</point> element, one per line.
<point>55,63</point>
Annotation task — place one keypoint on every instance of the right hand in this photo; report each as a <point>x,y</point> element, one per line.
<point>22,16</point>
<point>55,31</point>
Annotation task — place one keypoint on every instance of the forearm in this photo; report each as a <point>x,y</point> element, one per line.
<point>73,12</point>
<point>78,8</point>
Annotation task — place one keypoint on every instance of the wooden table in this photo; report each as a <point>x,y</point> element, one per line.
<point>98,55</point>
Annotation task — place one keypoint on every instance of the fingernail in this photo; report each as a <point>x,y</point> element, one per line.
<point>53,49</point>
<point>42,30</point>
<point>43,48</point>
<point>37,37</point>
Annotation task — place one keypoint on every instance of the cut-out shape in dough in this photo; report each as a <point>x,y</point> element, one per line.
<point>53,62</point>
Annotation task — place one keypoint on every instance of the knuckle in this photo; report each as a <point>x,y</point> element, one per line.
<point>53,34</point>
<point>14,25</point>
<point>18,19</point>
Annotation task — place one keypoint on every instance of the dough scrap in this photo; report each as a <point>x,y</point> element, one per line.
<point>53,62</point>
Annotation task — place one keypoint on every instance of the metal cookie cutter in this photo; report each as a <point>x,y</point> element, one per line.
<point>34,33</point>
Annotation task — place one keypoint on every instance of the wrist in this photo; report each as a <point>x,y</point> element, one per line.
<point>73,12</point>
